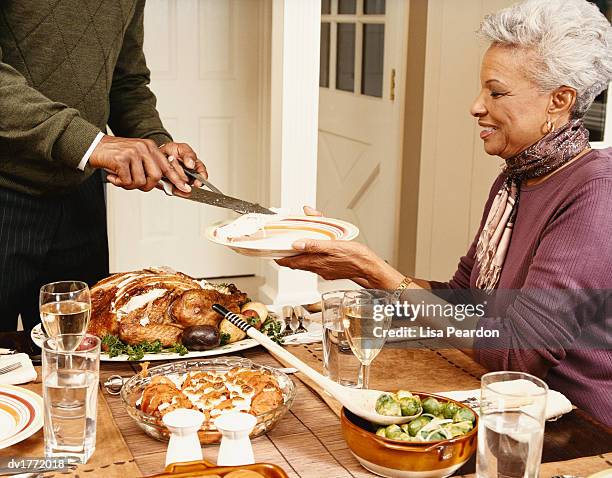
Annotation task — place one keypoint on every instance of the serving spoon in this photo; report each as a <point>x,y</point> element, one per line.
<point>360,402</point>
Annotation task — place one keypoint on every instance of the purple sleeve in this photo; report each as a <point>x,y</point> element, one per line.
<point>564,289</point>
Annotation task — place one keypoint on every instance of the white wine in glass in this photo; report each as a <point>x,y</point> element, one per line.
<point>65,308</point>
<point>366,325</point>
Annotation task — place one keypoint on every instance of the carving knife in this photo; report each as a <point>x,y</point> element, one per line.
<point>217,199</point>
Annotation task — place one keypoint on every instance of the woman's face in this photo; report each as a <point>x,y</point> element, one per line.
<point>509,108</point>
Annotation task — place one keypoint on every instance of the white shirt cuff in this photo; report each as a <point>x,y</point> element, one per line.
<point>89,152</point>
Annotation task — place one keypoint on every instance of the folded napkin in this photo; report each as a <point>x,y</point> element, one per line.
<point>557,404</point>
<point>314,334</point>
<point>23,374</point>
<point>303,338</point>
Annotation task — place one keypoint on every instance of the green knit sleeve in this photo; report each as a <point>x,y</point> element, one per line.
<point>132,103</point>
<point>36,129</point>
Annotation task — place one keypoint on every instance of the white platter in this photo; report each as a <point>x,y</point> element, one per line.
<point>21,414</point>
<point>38,337</point>
<point>278,236</point>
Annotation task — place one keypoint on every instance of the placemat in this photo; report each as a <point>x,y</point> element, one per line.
<point>433,369</point>
<point>427,369</point>
<point>578,467</point>
<point>112,458</point>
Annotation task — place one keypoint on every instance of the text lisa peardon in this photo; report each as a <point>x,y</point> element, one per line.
<point>429,333</point>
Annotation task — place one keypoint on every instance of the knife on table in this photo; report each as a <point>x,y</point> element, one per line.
<point>215,197</point>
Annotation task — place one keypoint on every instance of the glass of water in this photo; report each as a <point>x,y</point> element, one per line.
<point>70,395</point>
<point>339,362</point>
<point>366,319</point>
<point>65,307</point>
<point>511,426</point>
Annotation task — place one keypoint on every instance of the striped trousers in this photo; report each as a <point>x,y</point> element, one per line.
<point>47,239</point>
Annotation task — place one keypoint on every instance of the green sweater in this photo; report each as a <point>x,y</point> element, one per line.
<point>68,68</point>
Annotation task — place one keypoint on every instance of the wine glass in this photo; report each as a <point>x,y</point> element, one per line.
<point>64,311</point>
<point>366,321</point>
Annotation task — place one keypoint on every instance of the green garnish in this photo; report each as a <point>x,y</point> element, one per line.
<point>115,347</point>
<point>179,349</point>
<point>272,328</point>
<point>225,337</point>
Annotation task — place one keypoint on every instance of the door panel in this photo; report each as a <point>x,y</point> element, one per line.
<point>360,118</point>
<point>203,56</point>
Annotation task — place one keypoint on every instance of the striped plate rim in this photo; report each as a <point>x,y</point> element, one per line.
<point>332,228</point>
<point>26,407</point>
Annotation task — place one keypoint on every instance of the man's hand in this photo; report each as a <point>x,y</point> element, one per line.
<point>139,164</point>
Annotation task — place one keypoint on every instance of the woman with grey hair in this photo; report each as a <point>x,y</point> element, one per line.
<point>547,224</point>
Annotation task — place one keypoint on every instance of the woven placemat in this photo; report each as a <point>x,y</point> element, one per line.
<point>427,369</point>
<point>578,467</point>
<point>433,369</point>
<point>111,459</point>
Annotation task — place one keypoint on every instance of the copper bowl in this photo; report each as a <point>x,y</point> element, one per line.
<point>401,459</point>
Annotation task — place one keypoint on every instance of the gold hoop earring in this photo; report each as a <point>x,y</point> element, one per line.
<point>550,126</point>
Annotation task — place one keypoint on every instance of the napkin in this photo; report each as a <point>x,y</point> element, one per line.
<point>303,338</point>
<point>23,374</point>
<point>557,404</point>
<point>314,334</point>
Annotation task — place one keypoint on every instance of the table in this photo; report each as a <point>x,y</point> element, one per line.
<point>308,440</point>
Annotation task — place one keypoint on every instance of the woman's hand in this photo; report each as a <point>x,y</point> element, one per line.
<point>331,259</point>
<point>310,211</point>
<point>342,260</point>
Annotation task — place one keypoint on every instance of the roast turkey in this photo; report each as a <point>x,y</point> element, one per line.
<point>156,304</point>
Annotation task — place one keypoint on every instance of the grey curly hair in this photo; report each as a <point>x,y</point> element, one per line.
<point>571,41</point>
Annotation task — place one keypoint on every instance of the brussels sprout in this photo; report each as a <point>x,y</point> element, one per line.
<point>460,428</point>
<point>404,437</point>
<point>431,405</point>
<point>404,427</point>
<point>415,425</point>
<point>381,432</point>
<point>436,436</point>
<point>403,394</point>
<point>393,432</point>
<point>410,406</point>
<point>464,414</point>
<point>387,405</point>
<point>450,409</point>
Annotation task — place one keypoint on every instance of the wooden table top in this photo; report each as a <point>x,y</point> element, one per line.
<point>308,441</point>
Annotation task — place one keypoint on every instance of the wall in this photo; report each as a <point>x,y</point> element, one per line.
<point>454,173</point>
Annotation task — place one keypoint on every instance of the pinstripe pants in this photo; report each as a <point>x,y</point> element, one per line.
<point>46,239</point>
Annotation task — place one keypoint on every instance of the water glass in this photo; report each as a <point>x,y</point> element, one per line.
<point>70,393</point>
<point>65,307</point>
<point>366,317</point>
<point>339,362</point>
<point>511,427</point>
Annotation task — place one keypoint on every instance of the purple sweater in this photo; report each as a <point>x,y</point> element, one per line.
<point>562,239</point>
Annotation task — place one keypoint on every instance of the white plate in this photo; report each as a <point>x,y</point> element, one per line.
<point>21,414</point>
<point>278,236</point>
<point>38,337</point>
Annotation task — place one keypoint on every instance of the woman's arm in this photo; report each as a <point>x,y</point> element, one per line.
<point>564,291</point>
<point>346,260</point>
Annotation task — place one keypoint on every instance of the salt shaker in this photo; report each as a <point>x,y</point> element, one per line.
<point>184,443</point>
<point>235,448</point>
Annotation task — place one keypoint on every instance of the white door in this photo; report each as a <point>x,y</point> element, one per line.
<point>204,57</point>
<point>363,55</point>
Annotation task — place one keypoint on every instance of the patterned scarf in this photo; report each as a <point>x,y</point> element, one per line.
<point>549,153</point>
